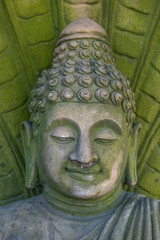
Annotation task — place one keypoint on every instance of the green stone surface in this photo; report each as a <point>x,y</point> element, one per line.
<point>28,33</point>
<point>80,145</point>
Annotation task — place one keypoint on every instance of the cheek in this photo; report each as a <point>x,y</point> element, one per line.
<point>54,156</point>
<point>111,155</point>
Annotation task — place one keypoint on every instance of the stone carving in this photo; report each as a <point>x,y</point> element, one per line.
<point>29,31</point>
<point>81,144</point>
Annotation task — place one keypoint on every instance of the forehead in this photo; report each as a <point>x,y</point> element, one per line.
<point>85,114</point>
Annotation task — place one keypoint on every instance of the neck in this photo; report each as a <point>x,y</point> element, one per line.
<point>82,207</point>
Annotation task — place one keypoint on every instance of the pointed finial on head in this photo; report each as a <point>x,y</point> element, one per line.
<point>83,28</point>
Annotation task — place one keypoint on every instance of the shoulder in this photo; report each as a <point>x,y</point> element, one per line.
<point>135,197</point>
<point>137,205</point>
<point>147,217</point>
<point>143,201</point>
<point>145,210</point>
<point>139,215</point>
<point>20,208</point>
<point>18,216</point>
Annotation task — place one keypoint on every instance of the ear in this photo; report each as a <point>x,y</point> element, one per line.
<point>30,154</point>
<point>131,174</point>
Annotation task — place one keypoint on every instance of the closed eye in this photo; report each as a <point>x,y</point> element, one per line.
<point>62,139</point>
<point>105,141</point>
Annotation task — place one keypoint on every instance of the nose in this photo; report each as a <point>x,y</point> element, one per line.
<point>83,153</point>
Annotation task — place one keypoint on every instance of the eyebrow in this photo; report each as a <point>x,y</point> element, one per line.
<point>112,123</point>
<point>59,121</point>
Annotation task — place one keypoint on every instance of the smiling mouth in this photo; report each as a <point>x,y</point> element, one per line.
<point>83,174</point>
<point>83,177</point>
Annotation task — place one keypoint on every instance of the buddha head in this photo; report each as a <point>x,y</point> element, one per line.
<point>81,139</point>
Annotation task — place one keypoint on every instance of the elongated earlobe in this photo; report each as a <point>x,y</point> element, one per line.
<point>30,155</point>
<point>131,173</point>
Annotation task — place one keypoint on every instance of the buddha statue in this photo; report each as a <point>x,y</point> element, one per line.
<point>81,145</point>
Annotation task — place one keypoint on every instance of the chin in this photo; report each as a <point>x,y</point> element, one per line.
<point>83,193</point>
<point>94,190</point>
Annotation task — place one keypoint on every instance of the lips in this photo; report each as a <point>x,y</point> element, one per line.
<point>83,170</point>
<point>76,2</point>
<point>83,177</point>
<point>83,174</point>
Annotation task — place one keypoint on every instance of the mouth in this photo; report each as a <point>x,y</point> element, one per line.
<point>83,174</point>
<point>76,2</point>
<point>83,177</point>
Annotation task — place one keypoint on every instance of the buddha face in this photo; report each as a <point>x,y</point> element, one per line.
<point>82,149</point>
